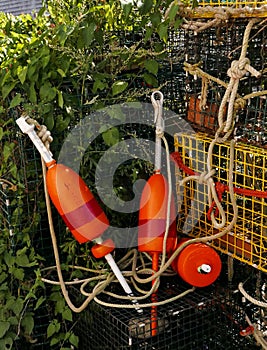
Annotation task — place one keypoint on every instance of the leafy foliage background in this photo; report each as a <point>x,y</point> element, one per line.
<point>71,58</point>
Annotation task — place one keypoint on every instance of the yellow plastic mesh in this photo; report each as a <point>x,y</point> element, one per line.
<point>236,8</point>
<point>233,3</point>
<point>247,241</point>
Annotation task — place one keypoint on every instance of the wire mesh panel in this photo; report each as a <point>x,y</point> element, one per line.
<point>209,55</point>
<point>23,225</point>
<point>234,8</point>
<point>248,238</point>
<point>200,320</point>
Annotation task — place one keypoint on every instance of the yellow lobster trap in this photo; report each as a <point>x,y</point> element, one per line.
<point>231,8</point>
<point>247,241</point>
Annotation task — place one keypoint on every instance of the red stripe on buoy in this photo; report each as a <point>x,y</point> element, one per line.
<point>82,215</point>
<point>75,203</point>
<point>153,216</point>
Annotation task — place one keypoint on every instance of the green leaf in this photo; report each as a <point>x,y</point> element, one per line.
<point>50,121</point>
<point>60,98</point>
<point>150,79</point>
<point>22,73</point>
<point>22,260</point>
<point>51,329</point>
<point>28,323</point>
<point>16,101</point>
<point>146,7</point>
<point>17,306</point>
<point>99,85</point>
<point>47,92</point>
<point>149,32</point>
<point>173,11</point>
<point>6,343</point>
<point>18,273</point>
<point>9,259</point>
<point>45,60</point>
<point>4,327</point>
<point>74,340</point>
<point>39,302</point>
<point>111,136</point>
<point>118,87</point>
<point>163,31</point>
<point>127,8</point>
<point>61,122</point>
<point>152,66</point>
<point>54,341</point>
<point>88,34</point>
<point>1,133</point>
<point>32,93</point>
<point>61,72</point>
<point>155,18</point>
<point>66,314</point>
<point>7,88</point>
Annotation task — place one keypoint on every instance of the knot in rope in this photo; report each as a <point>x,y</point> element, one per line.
<point>238,68</point>
<point>222,16</point>
<point>159,132</point>
<point>239,103</point>
<point>205,176</point>
<point>42,132</point>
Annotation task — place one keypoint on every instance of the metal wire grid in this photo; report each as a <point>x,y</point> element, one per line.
<point>247,240</point>
<point>232,3</point>
<point>236,8</point>
<point>214,50</point>
<point>201,320</point>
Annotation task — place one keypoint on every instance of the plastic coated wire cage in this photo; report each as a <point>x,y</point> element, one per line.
<point>213,51</point>
<point>236,8</point>
<point>248,239</point>
<point>201,320</point>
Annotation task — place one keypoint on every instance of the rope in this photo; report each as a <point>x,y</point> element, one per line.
<point>103,278</point>
<point>220,14</point>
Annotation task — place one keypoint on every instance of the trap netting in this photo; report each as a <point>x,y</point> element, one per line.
<point>204,319</point>
<point>247,239</point>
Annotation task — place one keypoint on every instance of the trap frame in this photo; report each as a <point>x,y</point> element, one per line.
<point>247,240</point>
<point>204,319</point>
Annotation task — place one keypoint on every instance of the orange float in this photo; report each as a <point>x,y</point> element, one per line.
<point>153,216</point>
<point>75,203</point>
<point>197,264</point>
<point>152,228</point>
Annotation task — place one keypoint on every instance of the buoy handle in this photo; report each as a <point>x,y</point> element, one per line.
<point>28,129</point>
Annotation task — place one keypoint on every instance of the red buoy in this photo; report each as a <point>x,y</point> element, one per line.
<point>197,264</point>
<point>75,203</point>
<point>153,215</point>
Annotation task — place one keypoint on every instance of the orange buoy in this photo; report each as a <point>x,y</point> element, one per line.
<point>197,264</point>
<point>153,215</point>
<point>152,227</point>
<point>75,203</point>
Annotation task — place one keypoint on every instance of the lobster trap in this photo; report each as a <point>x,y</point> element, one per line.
<point>235,8</point>
<point>203,319</point>
<point>247,240</point>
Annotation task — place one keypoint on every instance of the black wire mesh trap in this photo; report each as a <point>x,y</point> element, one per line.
<point>213,51</point>
<point>202,319</point>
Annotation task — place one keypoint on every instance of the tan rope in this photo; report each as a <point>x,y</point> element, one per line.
<point>236,72</point>
<point>220,14</point>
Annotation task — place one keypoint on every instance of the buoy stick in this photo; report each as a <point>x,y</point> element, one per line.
<point>117,272</point>
<point>154,297</point>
